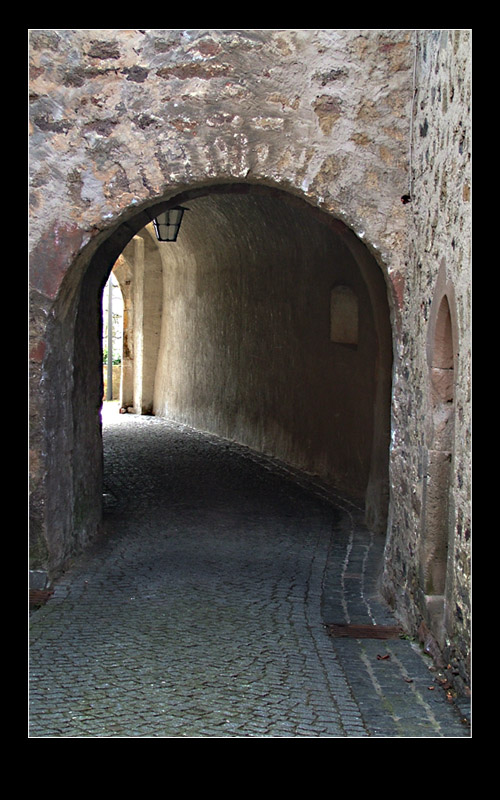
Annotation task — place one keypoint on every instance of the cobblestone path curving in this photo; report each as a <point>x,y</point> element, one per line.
<point>201,611</point>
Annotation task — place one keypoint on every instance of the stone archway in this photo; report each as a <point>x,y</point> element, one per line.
<point>139,272</point>
<point>329,408</point>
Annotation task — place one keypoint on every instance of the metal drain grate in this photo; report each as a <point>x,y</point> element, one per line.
<point>364,631</point>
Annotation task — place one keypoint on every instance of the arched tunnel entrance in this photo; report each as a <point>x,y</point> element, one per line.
<point>266,322</point>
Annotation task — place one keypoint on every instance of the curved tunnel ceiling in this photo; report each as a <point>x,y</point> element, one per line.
<point>246,222</point>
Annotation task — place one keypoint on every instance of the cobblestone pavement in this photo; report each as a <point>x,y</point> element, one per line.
<point>201,611</point>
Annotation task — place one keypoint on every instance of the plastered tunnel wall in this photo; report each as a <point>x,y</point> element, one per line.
<point>246,345</point>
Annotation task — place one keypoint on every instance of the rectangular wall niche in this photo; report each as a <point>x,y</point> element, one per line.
<point>343,315</point>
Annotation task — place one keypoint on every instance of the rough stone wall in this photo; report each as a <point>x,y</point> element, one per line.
<point>122,119</point>
<point>439,264</point>
<point>124,116</point>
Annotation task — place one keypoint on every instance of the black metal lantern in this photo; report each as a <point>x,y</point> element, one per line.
<point>167,224</point>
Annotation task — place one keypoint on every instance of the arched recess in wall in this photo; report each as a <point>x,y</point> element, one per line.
<point>437,517</point>
<point>293,233</point>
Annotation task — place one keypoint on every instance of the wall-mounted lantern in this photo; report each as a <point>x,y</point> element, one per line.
<point>167,224</point>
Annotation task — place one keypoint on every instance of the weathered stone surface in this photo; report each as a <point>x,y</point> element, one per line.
<point>439,265</point>
<point>97,96</point>
<point>350,121</point>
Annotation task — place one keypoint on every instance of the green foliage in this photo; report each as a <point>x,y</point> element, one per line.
<point>117,359</point>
